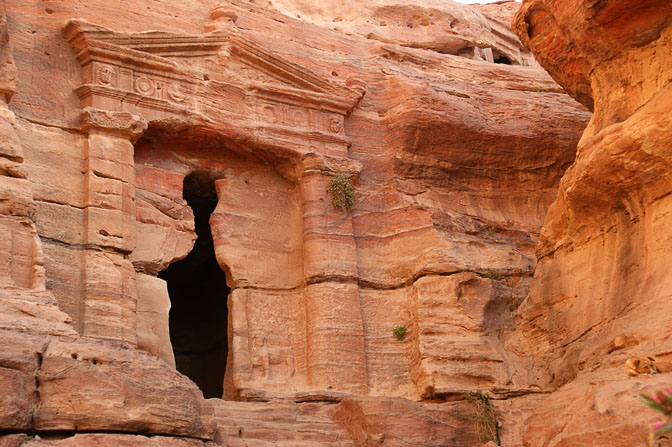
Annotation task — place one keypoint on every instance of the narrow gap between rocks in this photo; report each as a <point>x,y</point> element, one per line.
<point>198,296</point>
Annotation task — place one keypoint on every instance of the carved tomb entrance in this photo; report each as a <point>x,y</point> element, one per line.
<point>198,296</point>
<point>295,324</point>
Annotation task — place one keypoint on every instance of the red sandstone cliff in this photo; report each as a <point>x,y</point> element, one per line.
<point>133,129</point>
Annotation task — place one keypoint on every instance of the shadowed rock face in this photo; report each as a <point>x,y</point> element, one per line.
<point>600,293</point>
<point>143,132</point>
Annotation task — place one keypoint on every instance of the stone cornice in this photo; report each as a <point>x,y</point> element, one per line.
<point>150,51</point>
<point>295,75</point>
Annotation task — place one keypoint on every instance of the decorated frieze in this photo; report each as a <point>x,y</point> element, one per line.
<point>277,113</point>
<point>141,83</point>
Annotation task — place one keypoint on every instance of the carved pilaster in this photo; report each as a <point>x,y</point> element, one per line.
<point>336,358</point>
<point>330,166</point>
<point>109,297</point>
<point>110,206</point>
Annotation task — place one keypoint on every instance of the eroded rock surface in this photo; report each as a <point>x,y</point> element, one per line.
<point>149,131</point>
<point>54,381</point>
<point>600,293</point>
<point>445,27</point>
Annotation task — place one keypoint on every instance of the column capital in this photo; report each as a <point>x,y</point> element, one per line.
<point>122,123</point>
<point>312,163</point>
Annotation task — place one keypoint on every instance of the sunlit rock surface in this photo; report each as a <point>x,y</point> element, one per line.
<point>601,291</point>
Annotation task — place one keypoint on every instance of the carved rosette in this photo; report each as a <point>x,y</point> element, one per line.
<point>335,124</point>
<point>301,118</point>
<point>175,94</point>
<point>285,115</point>
<point>145,86</point>
<point>269,113</point>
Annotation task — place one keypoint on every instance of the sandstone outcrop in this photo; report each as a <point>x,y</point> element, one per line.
<point>103,440</point>
<point>605,411</point>
<point>55,381</point>
<point>445,27</point>
<point>173,240</point>
<point>600,292</point>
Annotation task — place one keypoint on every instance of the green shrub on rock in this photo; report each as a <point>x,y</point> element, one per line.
<point>342,193</point>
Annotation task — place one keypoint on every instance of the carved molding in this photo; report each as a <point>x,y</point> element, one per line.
<point>313,87</point>
<point>122,71</point>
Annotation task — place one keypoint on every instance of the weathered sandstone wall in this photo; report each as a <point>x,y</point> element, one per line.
<point>125,115</point>
<point>601,290</point>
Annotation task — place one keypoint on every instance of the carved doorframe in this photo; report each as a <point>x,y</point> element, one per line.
<point>131,81</point>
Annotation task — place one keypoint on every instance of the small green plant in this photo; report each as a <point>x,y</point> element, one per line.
<point>400,332</point>
<point>29,437</point>
<point>492,231</point>
<point>485,418</point>
<point>512,308</point>
<point>342,193</point>
<point>662,403</point>
<point>491,275</point>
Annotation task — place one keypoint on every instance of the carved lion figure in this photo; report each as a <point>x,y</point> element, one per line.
<point>635,366</point>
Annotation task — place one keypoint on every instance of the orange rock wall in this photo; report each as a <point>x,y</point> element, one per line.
<point>600,293</point>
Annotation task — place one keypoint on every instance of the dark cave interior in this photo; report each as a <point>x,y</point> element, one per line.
<point>198,295</point>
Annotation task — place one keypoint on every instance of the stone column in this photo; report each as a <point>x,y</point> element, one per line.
<point>109,296</point>
<point>335,331</point>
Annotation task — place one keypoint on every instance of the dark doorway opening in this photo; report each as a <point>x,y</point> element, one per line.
<point>198,296</point>
<point>502,60</point>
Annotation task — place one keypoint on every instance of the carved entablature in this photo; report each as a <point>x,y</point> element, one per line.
<point>153,75</point>
<point>121,73</point>
<point>288,116</point>
<point>154,89</point>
